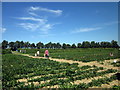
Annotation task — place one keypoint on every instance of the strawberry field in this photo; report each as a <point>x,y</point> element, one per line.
<point>26,72</point>
<point>82,54</point>
<point>59,45</point>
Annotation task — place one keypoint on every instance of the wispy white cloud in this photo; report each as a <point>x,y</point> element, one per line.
<point>32,13</point>
<point>95,27</point>
<point>110,23</point>
<point>58,12</point>
<point>34,8</point>
<point>2,30</point>
<point>33,19</point>
<point>29,26</point>
<point>36,21</point>
<point>43,27</point>
<point>46,27</point>
<point>106,24</point>
<point>38,26</point>
<point>86,29</point>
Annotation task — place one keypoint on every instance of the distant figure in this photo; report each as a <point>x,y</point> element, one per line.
<point>38,53</point>
<point>115,61</point>
<point>35,54</point>
<point>111,54</point>
<point>46,54</point>
<point>23,51</point>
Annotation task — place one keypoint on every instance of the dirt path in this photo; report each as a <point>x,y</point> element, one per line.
<point>115,82</point>
<point>86,81</point>
<point>105,65</point>
<point>90,79</point>
<point>74,82</point>
<point>35,77</point>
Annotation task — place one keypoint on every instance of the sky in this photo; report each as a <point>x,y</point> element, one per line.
<point>63,22</point>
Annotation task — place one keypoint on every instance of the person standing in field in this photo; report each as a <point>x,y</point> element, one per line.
<point>38,53</point>
<point>35,54</point>
<point>46,54</point>
<point>111,54</point>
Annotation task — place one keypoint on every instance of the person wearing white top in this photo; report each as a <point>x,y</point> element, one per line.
<point>115,61</point>
<point>35,54</point>
<point>38,53</point>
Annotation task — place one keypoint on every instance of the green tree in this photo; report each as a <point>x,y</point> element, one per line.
<point>4,44</point>
<point>58,45</point>
<point>86,44</point>
<point>40,45</point>
<point>32,45</point>
<point>49,45</point>
<point>97,44</point>
<point>73,46</point>
<point>26,44</point>
<point>17,44</point>
<point>93,44</point>
<point>54,45</point>
<point>108,44</point>
<point>21,44</point>
<point>114,44</point>
<point>68,46</point>
<point>79,45</point>
<point>11,44</point>
<point>64,46</point>
<point>105,44</point>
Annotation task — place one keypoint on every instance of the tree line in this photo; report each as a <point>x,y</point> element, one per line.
<point>50,45</point>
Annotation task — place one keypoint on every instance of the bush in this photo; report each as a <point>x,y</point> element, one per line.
<point>6,51</point>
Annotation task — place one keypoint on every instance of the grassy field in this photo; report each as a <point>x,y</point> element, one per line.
<point>26,72</point>
<point>83,54</point>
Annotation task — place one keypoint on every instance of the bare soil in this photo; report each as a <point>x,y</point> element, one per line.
<point>106,64</point>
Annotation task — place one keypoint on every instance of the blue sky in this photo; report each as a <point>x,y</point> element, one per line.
<point>60,22</point>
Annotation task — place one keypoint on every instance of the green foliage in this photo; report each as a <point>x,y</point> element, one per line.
<point>4,44</point>
<point>117,64</point>
<point>16,67</point>
<point>82,54</point>
<point>6,51</point>
<point>101,81</point>
<point>115,87</point>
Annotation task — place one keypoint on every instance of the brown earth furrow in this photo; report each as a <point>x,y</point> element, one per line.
<point>106,64</point>
<point>90,79</point>
<point>84,80</point>
<point>115,82</point>
<point>35,77</point>
<point>79,62</point>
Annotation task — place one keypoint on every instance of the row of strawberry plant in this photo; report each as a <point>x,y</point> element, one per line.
<point>16,67</point>
<point>68,73</point>
<point>66,83</point>
<point>85,55</point>
<point>97,82</point>
<point>116,64</point>
<point>70,78</point>
<point>53,71</point>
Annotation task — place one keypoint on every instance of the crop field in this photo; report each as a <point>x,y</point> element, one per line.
<point>27,71</point>
<point>83,54</point>
<point>59,45</point>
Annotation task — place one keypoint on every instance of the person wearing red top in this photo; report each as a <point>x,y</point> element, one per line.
<point>46,54</point>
